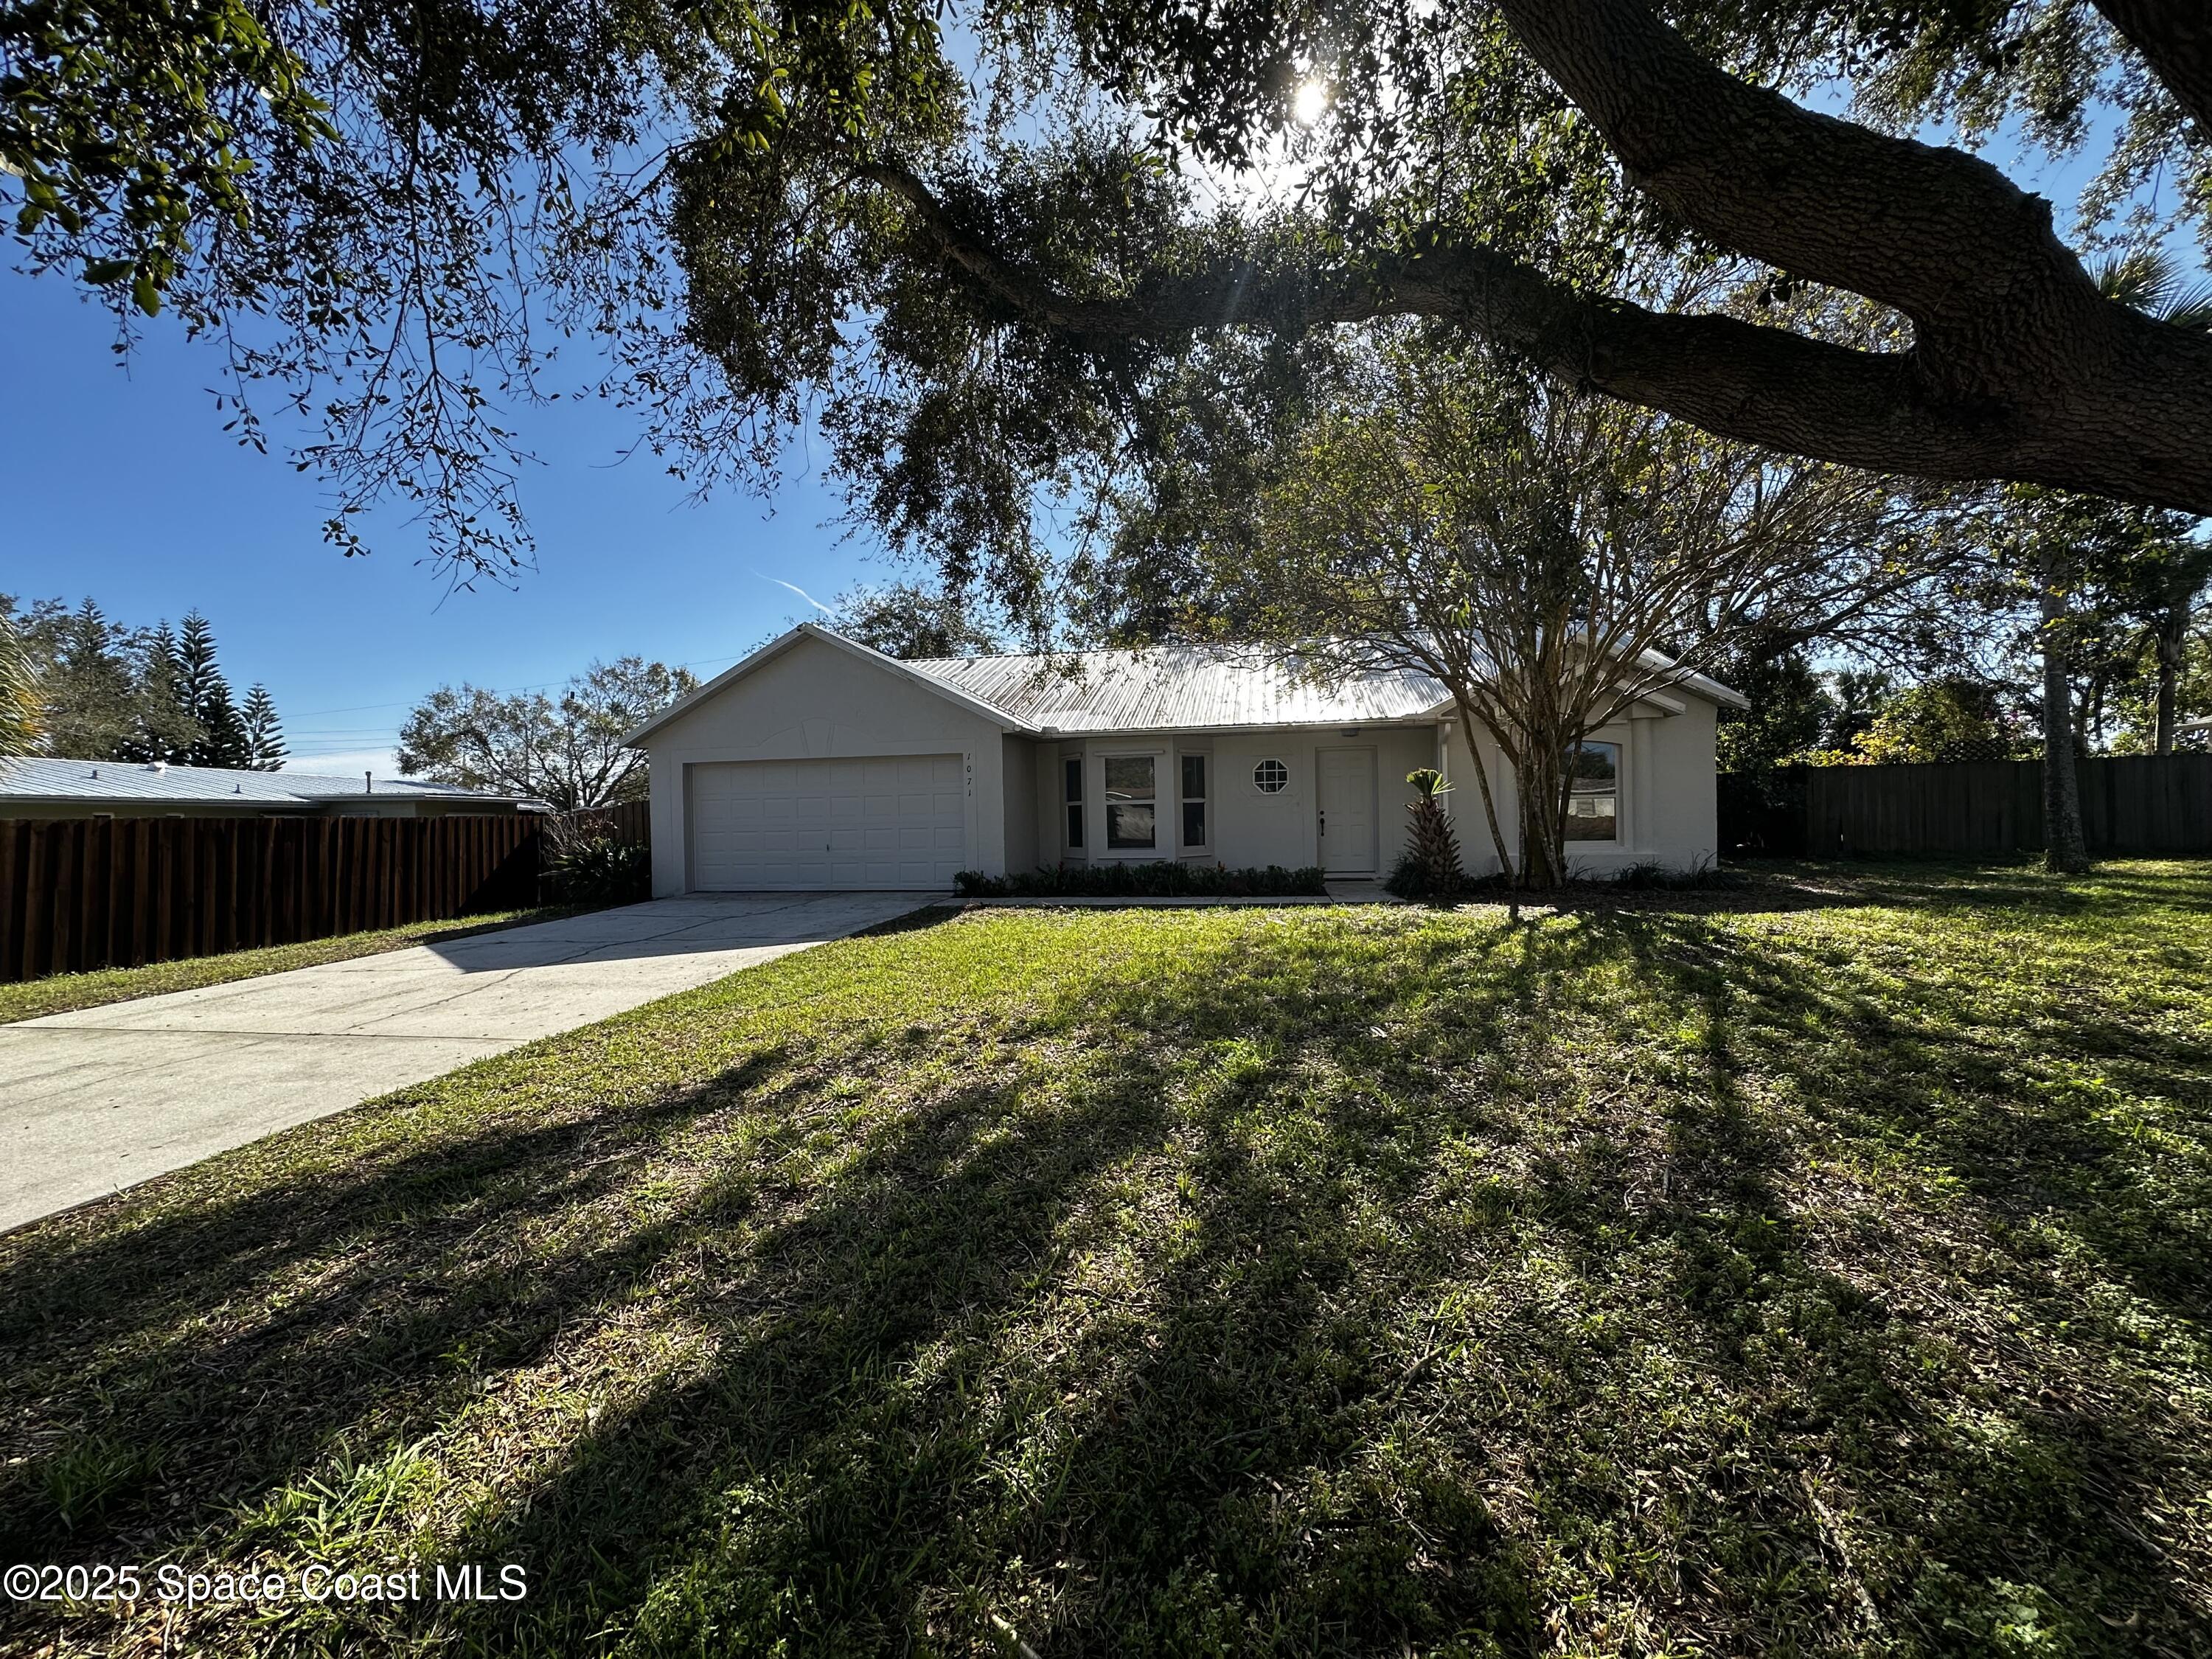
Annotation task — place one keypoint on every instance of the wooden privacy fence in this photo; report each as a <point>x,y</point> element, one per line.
<point>114,892</point>
<point>631,821</point>
<point>2133,804</point>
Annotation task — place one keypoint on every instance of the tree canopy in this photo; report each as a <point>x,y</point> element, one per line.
<point>566,751</point>
<point>910,621</point>
<point>1554,559</point>
<point>992,251</point>
<point>106,691</point>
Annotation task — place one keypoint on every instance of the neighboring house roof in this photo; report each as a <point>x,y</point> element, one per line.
<point>37,778</point>
<point>1157,689</point>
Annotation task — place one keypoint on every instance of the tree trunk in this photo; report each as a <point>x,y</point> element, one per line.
<point>1542,782</point>
<point>1467,724</point>
<point>2065,848</point>
<point>2173,642</point>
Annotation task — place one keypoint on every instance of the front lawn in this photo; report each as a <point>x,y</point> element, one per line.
<point>1823,1267</point>
<point>58,993</point>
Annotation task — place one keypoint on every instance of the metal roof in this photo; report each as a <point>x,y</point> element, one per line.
<point>1179,687</point>
<point>1159,689</point>
<point>37,778</point>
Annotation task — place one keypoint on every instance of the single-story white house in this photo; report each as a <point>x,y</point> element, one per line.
<point>817,762</point>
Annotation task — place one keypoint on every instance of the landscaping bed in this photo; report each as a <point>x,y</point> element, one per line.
<point>1155,878</point>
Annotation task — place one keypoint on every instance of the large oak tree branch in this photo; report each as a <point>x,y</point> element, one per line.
<point>2010,332</point>
<point>1762,384</point>
<point>2175,38</point>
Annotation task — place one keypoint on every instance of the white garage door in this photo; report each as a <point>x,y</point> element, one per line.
<point>891,821</point>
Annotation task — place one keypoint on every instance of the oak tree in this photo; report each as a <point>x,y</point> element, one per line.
<point>979,248</point>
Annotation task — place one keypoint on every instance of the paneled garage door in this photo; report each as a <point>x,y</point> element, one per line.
<point>892,821</point>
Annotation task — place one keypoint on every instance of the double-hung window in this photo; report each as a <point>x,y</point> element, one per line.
<point>1194,800</point>
<point>1131,803</point>
<point>1071,793</point>
<point>1593,793</point>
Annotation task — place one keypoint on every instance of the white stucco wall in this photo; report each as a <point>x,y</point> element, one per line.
<point>1669,812</point>
<point>1020,794</point>
<point>816,702</point>
<point>1401,750</point>
<point>1246,827</point>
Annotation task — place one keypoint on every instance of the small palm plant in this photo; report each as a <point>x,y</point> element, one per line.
<point>1430,868</point>
<point>21,708</point>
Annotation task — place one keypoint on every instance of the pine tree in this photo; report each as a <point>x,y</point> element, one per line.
<point>193,654</point>
<point>224,740</point>
<point>204,693</point>
<point>163,727</point>
<point>264,732</point>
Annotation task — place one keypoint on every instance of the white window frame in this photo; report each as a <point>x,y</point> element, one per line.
<point>1252,777</point>
<point>1078,810</point>
<point>1618,839</point>
<point>1205,800</point>
<point>1105,849</point>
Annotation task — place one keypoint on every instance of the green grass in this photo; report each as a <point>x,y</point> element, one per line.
<point>1818,1267</point>
<point>57,993</point>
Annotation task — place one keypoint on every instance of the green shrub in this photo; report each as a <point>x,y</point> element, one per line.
<point>1649,875</point>
<point>1165,879</point>
<point>1409,878</point>
<point>596,869</point>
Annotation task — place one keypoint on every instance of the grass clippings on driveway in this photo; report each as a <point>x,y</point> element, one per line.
<point>60,994</point>
<point>1821,1268</point>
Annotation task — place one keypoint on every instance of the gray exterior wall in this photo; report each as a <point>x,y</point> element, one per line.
<point>817,702</point>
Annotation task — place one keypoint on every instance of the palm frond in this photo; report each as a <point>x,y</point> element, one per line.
<point>2152,281</point>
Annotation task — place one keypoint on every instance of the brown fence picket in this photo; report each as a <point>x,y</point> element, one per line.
<point>11,905</point>
<point>2157,805</point>
<point>79,894</point>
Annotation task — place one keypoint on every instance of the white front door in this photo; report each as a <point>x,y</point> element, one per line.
<point>1347,811</point>
<point>885,821</point>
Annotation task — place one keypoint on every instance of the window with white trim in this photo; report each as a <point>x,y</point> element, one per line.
<point>1271,777</point>
<point>1194,800</point>
<point>1072,796</point>
<point>1131,803</point>
<point>1593,793</point>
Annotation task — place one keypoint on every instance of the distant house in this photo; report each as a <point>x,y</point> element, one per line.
<point>817,762</point>
<point>36,787</point>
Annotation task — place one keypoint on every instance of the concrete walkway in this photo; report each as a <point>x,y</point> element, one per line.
<point>94,1101</point>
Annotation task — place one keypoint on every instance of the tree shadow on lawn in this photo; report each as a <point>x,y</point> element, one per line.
<point>1327,1286</point>
<point>1966,884</point>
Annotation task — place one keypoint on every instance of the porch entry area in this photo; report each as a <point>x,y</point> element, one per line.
<point>1345,793</point>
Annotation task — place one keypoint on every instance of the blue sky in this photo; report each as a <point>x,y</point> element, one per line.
<point>124,487</point>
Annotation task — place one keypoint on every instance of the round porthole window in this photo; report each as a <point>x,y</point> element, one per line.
<point>1271,777</point>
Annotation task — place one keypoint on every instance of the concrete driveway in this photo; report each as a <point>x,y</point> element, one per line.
<point>94,1101</point>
